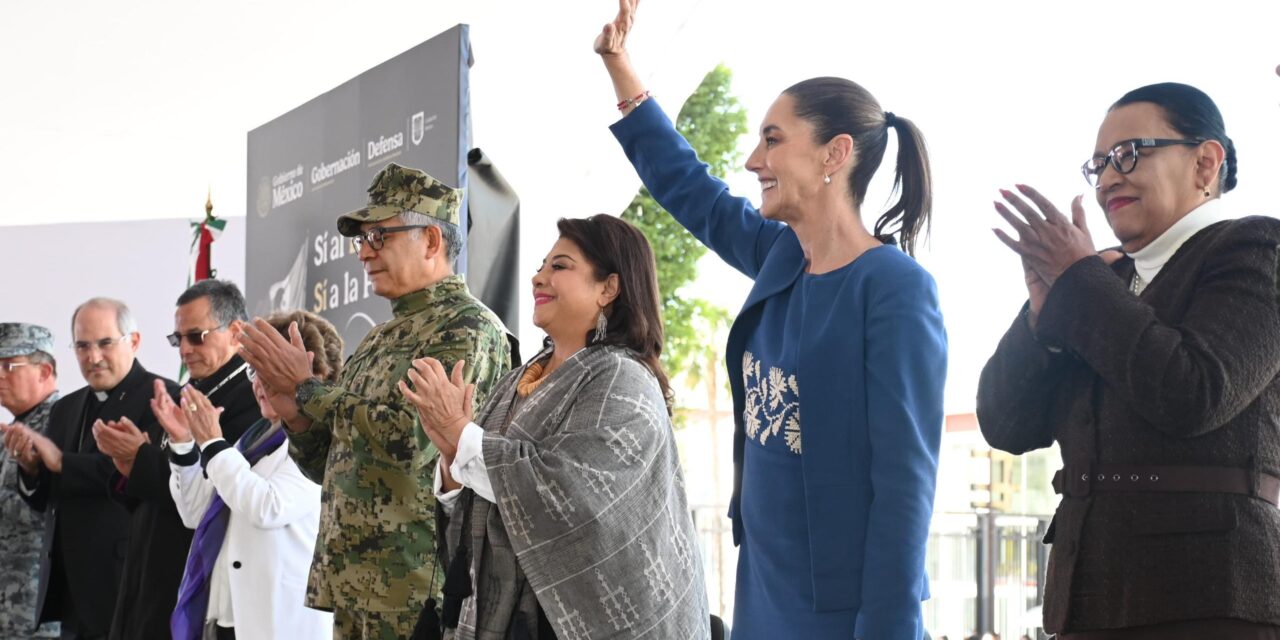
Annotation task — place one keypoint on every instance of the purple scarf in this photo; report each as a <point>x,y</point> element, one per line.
<point>187,622</point>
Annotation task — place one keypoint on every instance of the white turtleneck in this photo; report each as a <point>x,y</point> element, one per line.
<point>1149,260</point>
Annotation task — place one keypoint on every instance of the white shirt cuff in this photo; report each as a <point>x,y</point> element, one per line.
<point>468,463</point>
<point>182,448</point>
<point>205,445</point>
<point>447,498</point>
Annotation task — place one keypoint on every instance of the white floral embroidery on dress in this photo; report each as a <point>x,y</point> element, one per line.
<point>772,403</point>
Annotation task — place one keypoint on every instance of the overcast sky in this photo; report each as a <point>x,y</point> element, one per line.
<point>113,110</point>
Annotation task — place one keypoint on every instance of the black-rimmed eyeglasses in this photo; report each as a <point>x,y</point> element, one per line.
<point>1124,157</point>
<point>377,235</point>
<point>196,338</point>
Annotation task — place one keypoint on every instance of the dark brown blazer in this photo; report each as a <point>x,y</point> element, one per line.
<point>1184,374</point>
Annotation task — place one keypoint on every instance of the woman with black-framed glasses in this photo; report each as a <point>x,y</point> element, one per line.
<point>1155,370</point>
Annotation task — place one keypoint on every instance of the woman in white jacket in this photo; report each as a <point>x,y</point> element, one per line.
<point>255,514</point>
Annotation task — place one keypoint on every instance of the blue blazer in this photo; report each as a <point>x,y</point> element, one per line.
<point>872,368</point>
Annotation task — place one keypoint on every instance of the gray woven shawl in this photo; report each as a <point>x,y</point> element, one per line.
<point>591,509</point>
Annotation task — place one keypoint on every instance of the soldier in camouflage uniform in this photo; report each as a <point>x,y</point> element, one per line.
<point>28,389</point>
<point>375,561</point>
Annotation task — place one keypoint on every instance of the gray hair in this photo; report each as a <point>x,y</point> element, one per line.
<point>448,231</point>
<point>40,357</point>
<point>124,317</point>
<point>226,303</point>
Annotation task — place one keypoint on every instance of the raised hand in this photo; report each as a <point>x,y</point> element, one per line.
<point>170,415</point>
<point>612,40</point>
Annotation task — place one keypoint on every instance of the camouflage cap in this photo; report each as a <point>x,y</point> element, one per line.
<point>21,339</point>
<point>397,189</point>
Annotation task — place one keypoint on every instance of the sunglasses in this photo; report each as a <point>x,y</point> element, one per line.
<point>195,338</point>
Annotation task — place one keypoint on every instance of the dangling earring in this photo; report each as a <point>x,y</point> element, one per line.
<point>826,179</point>
<point>602,326</point>
<point>1206,191</point>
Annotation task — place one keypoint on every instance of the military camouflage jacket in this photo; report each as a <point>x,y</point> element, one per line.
<point>21,534</point>
<point>376,545</point>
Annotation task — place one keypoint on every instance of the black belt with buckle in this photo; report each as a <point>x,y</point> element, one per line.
<point>1079,481</point>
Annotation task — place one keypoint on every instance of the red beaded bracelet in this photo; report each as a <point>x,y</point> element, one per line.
<point>633,102</point>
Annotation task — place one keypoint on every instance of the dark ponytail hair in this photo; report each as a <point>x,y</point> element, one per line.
<point>837,106</point>
<point>614,246</point>
<point>1193,114</point>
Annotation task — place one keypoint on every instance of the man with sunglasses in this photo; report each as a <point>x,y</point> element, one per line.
<point>28,389</point>
<point>374,565</point>
<point>65,475</point>
<point>206,328</point>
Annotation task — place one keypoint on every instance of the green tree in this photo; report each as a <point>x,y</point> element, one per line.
<point>711,120</point>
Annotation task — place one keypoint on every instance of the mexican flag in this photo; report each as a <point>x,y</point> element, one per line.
<point>202,237</point>
<point>200,266</point>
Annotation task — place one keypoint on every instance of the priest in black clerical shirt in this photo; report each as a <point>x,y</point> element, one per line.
<point>65,476</point>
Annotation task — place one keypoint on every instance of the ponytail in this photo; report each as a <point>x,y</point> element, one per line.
<point>835,106</point>
<point>913,184</point>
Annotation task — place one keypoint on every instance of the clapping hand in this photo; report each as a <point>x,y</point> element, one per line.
<point>281,364</point>
<point>203,416</point>
<point>120,441</point>
<point>443,402</point>
<point>170,416</point>
<point>1048,242</point>
<point>20,440</point>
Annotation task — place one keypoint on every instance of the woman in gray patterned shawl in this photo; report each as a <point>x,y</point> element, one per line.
<point>566,506</point>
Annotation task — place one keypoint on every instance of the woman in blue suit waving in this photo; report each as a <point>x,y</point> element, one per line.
<point>836,361</point>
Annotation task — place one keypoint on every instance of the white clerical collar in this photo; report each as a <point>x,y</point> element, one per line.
<point>1150,259</point>
<point>101,395</point>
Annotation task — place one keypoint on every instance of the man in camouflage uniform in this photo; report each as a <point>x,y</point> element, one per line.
<point>375,562</point>
<point>28,389</point>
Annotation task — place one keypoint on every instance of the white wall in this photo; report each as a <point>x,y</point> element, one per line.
<point>47,270</point>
